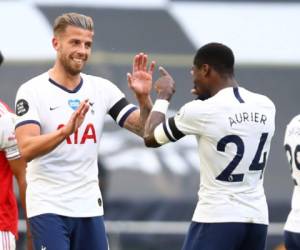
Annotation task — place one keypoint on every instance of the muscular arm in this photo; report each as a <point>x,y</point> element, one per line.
<point>137,119</point>
<point>18,167</point>
<point>32,144</point>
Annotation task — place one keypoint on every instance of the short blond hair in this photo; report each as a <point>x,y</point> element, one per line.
<point>73,19</point>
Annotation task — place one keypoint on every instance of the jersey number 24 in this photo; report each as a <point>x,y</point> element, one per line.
<point>226,174</point>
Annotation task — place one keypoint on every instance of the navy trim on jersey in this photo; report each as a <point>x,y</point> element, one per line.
<point>237,95</point>
<point>75,90</point>
<point>116,109</point>
<point>27,122</point>
<point>167,132</point>
<point>124,117</point>
<point>175,131</point>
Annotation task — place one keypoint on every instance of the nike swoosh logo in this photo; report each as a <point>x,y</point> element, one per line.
<point>53,108</point>
<point>91,103</point>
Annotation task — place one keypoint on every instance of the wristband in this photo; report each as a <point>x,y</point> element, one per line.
<point>161,106</point>
<point>160,135</point>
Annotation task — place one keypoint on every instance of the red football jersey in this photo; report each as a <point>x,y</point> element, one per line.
<point>8,203</point>
<point>8,151</point>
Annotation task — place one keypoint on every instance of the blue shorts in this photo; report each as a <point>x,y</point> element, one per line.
<point>56,232</point>
<point>291,240</point>
<point>226,236</point>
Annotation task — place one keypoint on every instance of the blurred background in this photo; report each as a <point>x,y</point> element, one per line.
<point>150,194</point>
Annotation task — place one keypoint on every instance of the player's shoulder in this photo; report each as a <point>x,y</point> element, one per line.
<point>292,131</point>
<point>295,121</point>
<point>194,104</point>
<point>105,88</point>
<point>35,82</point>
<point>257,97</point>
<point>194,108</point>
<point>97,81</point>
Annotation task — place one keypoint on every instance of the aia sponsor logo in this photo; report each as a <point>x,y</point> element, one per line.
<point>78,138</point>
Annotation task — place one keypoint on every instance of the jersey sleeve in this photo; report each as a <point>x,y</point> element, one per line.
<point>8,141</point>
<point>25,107</point>
<point>187,121</point>
<point>119,107</point>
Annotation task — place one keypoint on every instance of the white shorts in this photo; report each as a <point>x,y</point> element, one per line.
<point>7,241</point>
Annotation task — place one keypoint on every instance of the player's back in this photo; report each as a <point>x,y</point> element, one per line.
<point>236,131</point>
<point>292,148</point>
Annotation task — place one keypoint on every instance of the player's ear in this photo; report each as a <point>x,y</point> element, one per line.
<point>205,69</point>
<point>55,42</point>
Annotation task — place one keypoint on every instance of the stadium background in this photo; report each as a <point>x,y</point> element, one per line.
<point>150,194</point>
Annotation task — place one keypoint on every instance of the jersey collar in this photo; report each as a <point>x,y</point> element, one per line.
<point>75,90</point>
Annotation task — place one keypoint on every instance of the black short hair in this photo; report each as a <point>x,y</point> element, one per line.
<point>217,55</point>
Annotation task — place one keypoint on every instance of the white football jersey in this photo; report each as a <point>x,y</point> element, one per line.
<point>233,129</point>
<point>292,148</point>
<point>65,181</point>
<point>8,142</point>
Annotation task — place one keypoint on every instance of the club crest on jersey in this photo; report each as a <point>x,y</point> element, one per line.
<point>74,103</point>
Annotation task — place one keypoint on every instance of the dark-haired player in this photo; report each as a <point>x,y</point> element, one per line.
<point>233,127</point>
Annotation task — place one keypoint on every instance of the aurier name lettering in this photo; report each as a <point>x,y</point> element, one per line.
<point>247,117</point>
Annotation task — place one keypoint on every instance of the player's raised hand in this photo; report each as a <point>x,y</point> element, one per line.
<point>165,85</point>
<point>140,80</point>
<point>77,118</point>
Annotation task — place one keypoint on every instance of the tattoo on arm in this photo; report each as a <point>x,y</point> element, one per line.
<point>136,120</point>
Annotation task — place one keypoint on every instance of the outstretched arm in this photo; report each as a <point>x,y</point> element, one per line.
<point>32,144</point>
<point>165,88</point>
<point>140,82</point>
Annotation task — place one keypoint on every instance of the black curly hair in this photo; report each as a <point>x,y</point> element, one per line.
<point>218,56</point>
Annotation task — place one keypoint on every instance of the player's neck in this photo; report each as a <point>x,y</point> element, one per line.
<point>224,83</point>
<point>229,82</point>
<point>64,79</point>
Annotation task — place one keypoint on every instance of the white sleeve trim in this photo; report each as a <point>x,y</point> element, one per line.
<point>124,111</point>
<point>12,152</point>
